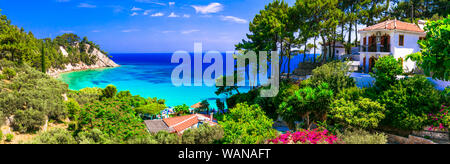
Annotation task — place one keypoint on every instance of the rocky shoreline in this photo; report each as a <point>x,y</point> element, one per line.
<point>103,61</point>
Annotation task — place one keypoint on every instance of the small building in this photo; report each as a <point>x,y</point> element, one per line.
<point>179,124</point>
<point>392,37</point>
<point>339,48</point>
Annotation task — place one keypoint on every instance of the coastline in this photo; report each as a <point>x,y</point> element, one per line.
<point>58,74</point>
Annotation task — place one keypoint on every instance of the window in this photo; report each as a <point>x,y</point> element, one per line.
<point>401,40</point>
<point>421,38</point>
<point>365,41</point>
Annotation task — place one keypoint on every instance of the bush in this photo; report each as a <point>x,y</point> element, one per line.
<point>307,104</point>
<point>362,137</point>
<point>204,134</point>
<point>164,137</point>
<point>114,118</point>
<point>246,124</point>
<point>409,102</point>
<point>181,109</point>
<point>109,92</point>
<point>73,109</point>
<point>335,74</point>
<point>93,136</point>
<point>152,109</point>
<point>9,137</point>
<point>306,137</point>
<point>363,113</point>
<point>9,73</point>
<point>1,135</point>
<point>386,71</point>
<point>28,120</point>
<point>142,140</point>
<point>55,136</point>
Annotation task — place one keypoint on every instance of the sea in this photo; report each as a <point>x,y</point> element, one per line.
<point>149,75</point>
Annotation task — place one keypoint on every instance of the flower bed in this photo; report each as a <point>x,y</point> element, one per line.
<point>306,137</point>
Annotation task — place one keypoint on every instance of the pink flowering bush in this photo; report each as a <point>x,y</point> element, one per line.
<point>441,120</point>
<point>306,137</point>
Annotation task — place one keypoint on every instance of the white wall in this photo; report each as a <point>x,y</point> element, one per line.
<point>410,46</point>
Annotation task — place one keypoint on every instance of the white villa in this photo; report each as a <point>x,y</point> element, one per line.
<point>391,37</point>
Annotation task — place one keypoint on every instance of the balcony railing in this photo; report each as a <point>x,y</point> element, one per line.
<point>374,48</point>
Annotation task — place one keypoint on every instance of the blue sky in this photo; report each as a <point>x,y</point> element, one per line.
<point>139,26</point>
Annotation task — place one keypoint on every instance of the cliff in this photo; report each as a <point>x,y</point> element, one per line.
<point>103,61</point>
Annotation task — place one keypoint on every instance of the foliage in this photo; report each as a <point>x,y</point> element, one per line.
<point>93,136</point>
<point>1,135</point>
<point>28,120</point>
<point>55,136</point>
<point>335,74</point>
<point>109,92</point>
<point>73,109</point>
<point>220,106</point>
<point>440,120</point>
<point>113,117</point>
<point>204,134</point>
<point>408,103</point>
<point>9,137</point>
<point>151,109</point>
<point>143,140</point>
<point>386,71</point>
<point>308,104</point>
<point>362,137</point>
<point>9,73</point>
<point>85,95</point>
<point>436,49</point>
<point>363,113</point>
<point>246,124</point>
<point>181,109</point>
<point>306,137</point>
<point>164,137</point>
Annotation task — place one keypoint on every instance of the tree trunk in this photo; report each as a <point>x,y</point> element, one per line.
<point>315,38</point>
<point>356,33</point>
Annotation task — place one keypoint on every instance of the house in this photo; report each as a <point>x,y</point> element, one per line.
<point>179,124</point>
<point>339,48</point>
<point>392,37</point>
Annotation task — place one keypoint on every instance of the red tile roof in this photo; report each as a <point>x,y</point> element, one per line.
<point>182,123</point>
<point>394,25</point>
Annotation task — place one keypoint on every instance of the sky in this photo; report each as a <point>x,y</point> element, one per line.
<point>139,26</point>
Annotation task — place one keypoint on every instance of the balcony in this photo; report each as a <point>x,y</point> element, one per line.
<point>375,48</point>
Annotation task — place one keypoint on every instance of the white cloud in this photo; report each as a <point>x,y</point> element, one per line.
<point>116,8</point>
<point>186,16</point>
<point>66,31</point>
<point>62,0</point>
<point>86,5</point>
<point>95,31</point>
<point>157,14</point>
<point>146,12</point>
<point>171,3</point>
<point>211,8</point>
<point>173,15</point>
<point>130,30</point>
<point>134,14</point>
<point>168,31</point>
<point>233,19</point>
<point>189,31</point>
<point>136,9</point>
<point>150,1</point>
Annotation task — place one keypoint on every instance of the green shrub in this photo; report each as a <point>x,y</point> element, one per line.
<point>9,73</point>
<point>181,109</point>
<point>9,137</point>
<point>309,104</point>
<point>204,134</point>
<point>350,94</point>
<point>246,124</point>
<point>152,109</point>
<point>109,92</point>
<point>73,108</point>
<point>1,135</point>
<point>386,70</point>
<point>86,95</point>
<point>123,94</point>
<point>55,136</point>
<point>28,120</point>
<point>363,113</point>
<point>93,136</point>
<point>335,74</point>
<point>409,102</point>
<point>362,137</point>
<point>164,137</point>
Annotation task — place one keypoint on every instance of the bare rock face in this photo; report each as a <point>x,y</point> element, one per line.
<point>103,61</point>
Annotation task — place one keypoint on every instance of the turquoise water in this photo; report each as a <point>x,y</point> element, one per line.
<point>147,75</point>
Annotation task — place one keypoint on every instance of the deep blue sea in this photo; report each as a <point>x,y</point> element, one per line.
<point>148,75</point>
